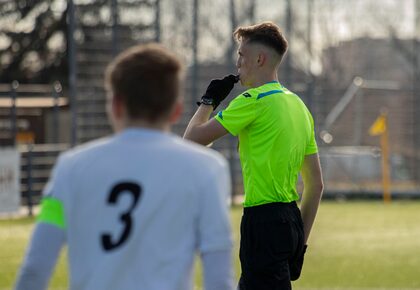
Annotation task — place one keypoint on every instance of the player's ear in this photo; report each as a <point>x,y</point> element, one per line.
<point>114,111</point>
<point>118,107</point>
<point>176,111</point>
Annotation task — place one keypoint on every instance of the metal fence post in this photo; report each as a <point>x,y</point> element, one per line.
<point>416,92</point>
<point>56,92</point>
<point>309,78</point>
<point>195,56</point>
<point>29,179</point>
<point>115,20</point>
<point>72,71</point>
<point>233,25</point>
<point>157,21</point>
<point>288,58</point>
<point>232,67</point>
<point>13,113</point>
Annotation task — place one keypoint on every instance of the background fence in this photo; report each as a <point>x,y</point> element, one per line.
<point>347,60</point>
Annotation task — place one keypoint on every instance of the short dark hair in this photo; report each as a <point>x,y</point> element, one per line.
<point>147,78</point>
<point>266,33</point>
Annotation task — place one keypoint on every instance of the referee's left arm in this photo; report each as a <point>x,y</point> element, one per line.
<point>312,191</point>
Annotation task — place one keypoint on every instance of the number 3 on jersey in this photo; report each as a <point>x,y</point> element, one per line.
<point>107,241</point>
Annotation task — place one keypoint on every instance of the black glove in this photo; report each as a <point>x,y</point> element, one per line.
<point>218,90</point>
<point>297,264</point>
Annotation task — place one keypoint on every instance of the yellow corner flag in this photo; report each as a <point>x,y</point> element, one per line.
<point>379,127</point>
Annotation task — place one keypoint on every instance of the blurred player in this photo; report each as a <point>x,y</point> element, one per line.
<point>276,142</point>
<point>134,208</point>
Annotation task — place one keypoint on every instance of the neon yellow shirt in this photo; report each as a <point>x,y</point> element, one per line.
<point>275,131</point>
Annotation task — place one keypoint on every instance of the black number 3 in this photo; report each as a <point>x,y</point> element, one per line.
<point>135,191</point>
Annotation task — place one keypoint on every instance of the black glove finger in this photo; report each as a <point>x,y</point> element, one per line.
<point>228,83</point>
<point>214,88</point>
<point>220,88</point>
<point>231,78</point>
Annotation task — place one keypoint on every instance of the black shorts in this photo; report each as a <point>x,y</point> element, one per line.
<point>271,239</point>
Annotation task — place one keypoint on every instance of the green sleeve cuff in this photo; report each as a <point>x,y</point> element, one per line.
<point>311,151</point>
<point>219,118</point>
<point>52,212</point>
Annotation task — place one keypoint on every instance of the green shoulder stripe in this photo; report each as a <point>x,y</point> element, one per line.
<point>52,212</point>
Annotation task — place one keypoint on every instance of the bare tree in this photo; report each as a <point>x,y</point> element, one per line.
<point>30,31</point>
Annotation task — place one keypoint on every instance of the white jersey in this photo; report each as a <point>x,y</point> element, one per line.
<point>137,207</point>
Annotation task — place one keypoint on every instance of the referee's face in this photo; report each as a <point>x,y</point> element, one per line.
<point>246,63</point>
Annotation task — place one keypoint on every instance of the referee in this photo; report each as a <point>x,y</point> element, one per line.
<point>276,143</point>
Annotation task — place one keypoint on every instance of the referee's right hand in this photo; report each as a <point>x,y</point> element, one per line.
<point>219,89</point>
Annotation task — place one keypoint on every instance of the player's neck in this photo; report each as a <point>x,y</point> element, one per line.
<point>160,125</point>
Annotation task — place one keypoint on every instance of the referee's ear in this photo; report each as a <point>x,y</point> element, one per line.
<point>176,112</point>
<point>262,58</point>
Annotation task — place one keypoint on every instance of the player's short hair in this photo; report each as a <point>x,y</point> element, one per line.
<point>148,80</point>
<point>266,33</point>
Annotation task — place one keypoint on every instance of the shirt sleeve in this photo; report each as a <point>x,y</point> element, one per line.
<point>41,257</point>
<point>239,114</point>
<point>218,270</point>
<point>56,186</point>
<point>312,147</point>
<point>56,194</point>
<point>214,232</point>
<point>49,234</point>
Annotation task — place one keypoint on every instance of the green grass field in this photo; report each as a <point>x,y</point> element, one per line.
<point>354,245</point>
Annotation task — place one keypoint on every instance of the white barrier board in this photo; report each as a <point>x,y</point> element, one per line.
<point>9,180</point>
